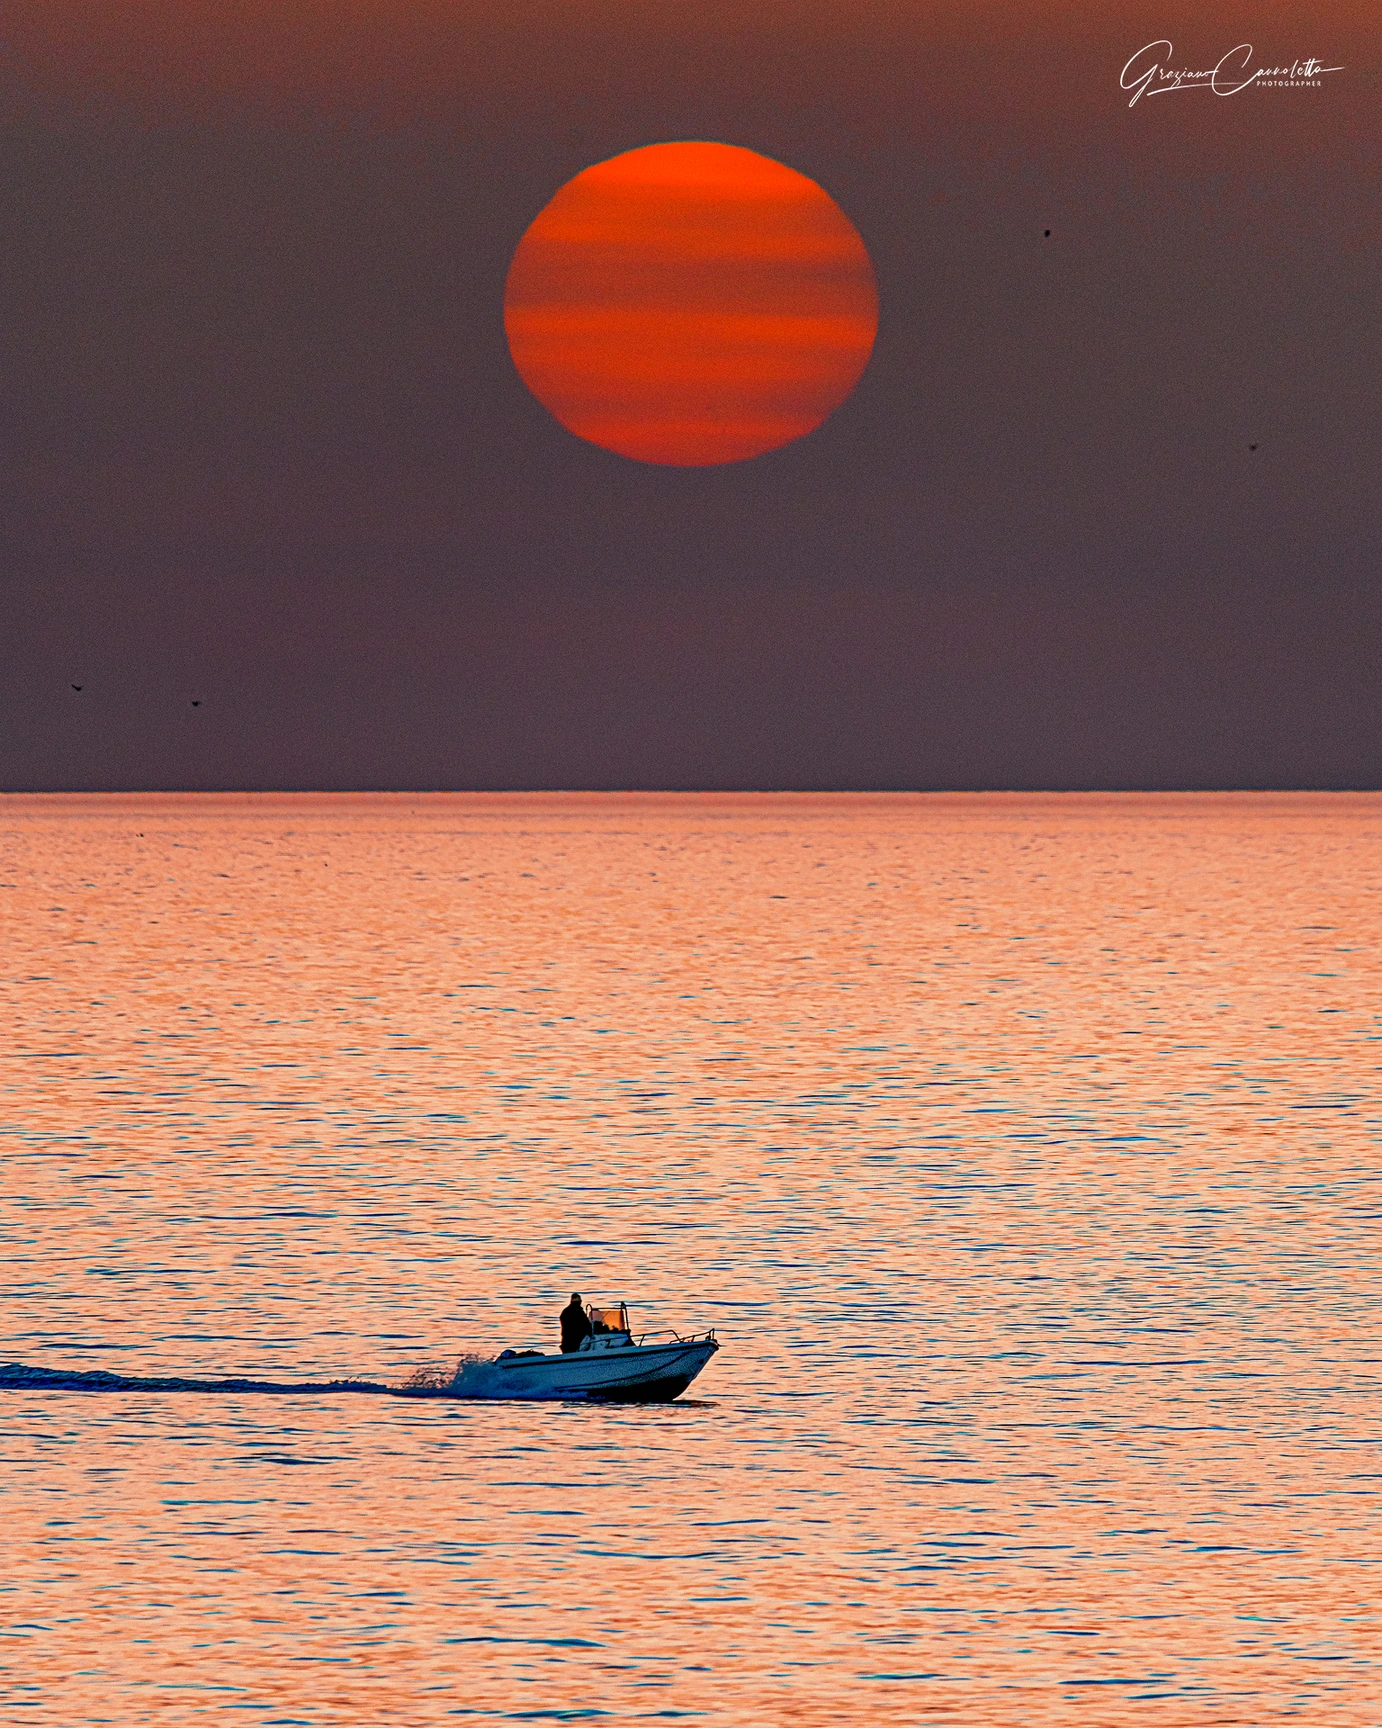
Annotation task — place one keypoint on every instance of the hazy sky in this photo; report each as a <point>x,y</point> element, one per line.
<point>262,446</point>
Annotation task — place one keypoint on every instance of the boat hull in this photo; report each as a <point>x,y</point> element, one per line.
<point>659,1391</point>
<point>636,1374</point>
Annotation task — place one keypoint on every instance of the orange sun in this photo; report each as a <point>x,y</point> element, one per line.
<point>691,304</point>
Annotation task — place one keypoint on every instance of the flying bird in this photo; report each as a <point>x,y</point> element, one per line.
<point>196,704</point>
<point>1252,446</point>
<point>76,686</point>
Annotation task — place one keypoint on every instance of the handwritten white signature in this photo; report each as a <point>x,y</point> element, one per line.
<point>1143,76</point>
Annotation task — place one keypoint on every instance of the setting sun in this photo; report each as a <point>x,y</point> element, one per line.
<point>690,304</point>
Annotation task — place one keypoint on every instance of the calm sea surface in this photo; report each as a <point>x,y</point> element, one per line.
<point>1024,1152</point>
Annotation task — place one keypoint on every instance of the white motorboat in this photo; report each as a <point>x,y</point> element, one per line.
<point>610,1364</point>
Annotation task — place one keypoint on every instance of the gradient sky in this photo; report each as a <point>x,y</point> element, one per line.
<point>263,448</point>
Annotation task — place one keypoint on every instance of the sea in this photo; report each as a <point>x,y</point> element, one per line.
<point>1022,1151</point>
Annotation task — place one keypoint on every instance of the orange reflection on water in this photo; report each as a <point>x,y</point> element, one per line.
<point>1023,1150</point>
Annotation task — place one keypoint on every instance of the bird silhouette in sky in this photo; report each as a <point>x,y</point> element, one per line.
<point>77,686</point>
<point>1252,446</point>
<point>196,704</point>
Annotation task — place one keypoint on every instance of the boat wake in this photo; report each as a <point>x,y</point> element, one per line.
<point>471,1377</point>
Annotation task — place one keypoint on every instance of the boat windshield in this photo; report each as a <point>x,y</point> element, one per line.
<point>609,1319</point>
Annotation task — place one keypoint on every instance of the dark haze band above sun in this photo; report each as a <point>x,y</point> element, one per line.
<point>690,304</point>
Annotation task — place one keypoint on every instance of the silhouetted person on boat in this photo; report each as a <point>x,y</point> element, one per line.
<point>575,1324</point>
